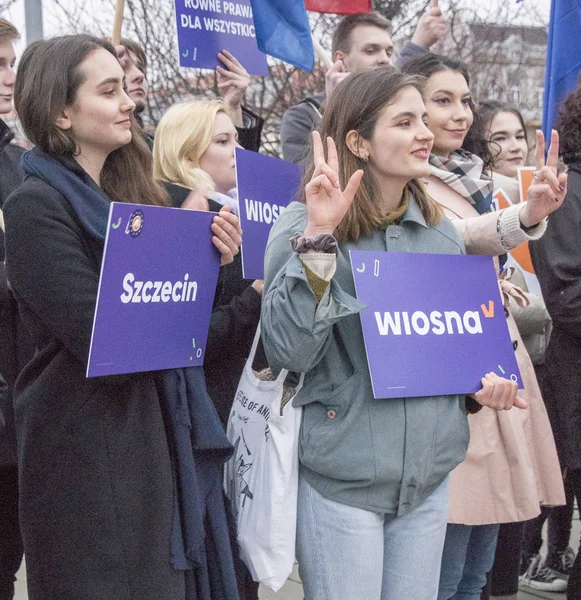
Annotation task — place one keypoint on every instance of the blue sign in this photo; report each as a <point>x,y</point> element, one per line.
<point>206,27</point>
<point>156,291</point>
<point>266,185</point>
<point>434,323</point>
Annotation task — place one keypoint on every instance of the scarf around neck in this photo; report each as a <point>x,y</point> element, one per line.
<point>66,176</point>
<point>464,173</point>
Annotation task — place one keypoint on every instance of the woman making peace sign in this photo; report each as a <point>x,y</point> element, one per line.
<point>373,492</point>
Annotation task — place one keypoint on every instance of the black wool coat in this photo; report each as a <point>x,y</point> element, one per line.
<point>94,465</point>
<point>557,261</point>
<point>16,345</point>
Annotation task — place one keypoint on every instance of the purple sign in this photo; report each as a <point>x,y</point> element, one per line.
<point>205,27</point>
<point>156,291</point>
<point>266,185</point>
<point>434,323</point>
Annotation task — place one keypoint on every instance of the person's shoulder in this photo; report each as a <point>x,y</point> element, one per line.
<point>295,212</point>
<point>308,106</point>
<point>14,151</point>
<point>292,219</point>
<point>33,196</point>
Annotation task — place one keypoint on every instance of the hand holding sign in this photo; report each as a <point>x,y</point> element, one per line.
<point>233,81</point>
<point>227,235</point>
<point>547,192</point>
<point>499,393</point>
<point>326,203</point>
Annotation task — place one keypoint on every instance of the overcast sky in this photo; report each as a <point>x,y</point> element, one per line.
<point>51,22</point>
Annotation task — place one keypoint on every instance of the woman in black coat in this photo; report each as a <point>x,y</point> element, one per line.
<point>104,475</point>
<point>557,261</point>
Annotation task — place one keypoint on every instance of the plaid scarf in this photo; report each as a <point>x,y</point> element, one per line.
<point>464,173</point>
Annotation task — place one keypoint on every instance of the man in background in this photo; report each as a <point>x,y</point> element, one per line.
<point>361,41</point>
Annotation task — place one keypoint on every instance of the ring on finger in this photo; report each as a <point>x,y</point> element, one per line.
<point>538,176</point>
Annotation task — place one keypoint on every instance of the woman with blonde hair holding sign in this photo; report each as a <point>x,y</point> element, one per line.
<point>373,495</point>
<point>194,149</point>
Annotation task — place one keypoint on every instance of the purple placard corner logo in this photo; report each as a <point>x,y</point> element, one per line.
<point>135,223</point>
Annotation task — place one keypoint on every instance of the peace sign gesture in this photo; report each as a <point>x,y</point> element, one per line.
<point>548,189</point>
<point>326,203</point>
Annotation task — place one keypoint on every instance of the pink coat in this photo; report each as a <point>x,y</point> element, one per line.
<point>511,467</point>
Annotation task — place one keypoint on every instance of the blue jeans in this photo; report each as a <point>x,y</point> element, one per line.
<point>468,556</point>
<point>347,553</point>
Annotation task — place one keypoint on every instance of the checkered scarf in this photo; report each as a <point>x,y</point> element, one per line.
<point>464,173</point>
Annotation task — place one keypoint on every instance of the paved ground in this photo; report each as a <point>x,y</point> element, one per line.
<point>293,590</point>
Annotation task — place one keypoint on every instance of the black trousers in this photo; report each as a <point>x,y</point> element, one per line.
<point>559,530</point>
<point>10,540</point>
<point>503,579</point>
<point>574,586</point>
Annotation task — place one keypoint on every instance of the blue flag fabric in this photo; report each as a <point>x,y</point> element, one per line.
<point>283,31</point>
<point>563,58</point>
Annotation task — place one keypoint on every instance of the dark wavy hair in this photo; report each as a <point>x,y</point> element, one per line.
<point>429,64</point>
<point>487,111</point>
<point>568,125</point>
<point>47,81</point>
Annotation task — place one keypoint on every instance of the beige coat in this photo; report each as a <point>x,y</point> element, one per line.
<point>511,466</point>
<point>533,321</point>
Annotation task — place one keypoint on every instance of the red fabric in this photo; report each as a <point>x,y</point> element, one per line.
<point>339,7</point>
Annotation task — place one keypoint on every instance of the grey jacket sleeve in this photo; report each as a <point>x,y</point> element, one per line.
<point>295,330</point>
<point>409,51</point>
<point>295,131</point>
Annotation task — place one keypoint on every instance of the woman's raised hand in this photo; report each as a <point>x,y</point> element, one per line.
<point>326,203</point>
<point>227,235</point>
<point>548,189</point>
<point>233,81</point>
<point>499,393</point>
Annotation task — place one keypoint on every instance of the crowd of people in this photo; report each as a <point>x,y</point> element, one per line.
<point>430,498</point>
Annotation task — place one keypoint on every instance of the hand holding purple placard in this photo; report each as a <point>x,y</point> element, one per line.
<point>206,27</point>
<point>156,289</point>
<point>434,325</point>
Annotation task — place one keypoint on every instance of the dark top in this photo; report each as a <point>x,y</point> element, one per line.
<point>232,327</point>
<point>16,346</point>
<point>234,320</point>
<point>96,475</point>
<point>557,261</point>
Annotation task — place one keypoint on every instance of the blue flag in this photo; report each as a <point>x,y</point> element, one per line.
<point>282,30</point>
<point>563,58</point>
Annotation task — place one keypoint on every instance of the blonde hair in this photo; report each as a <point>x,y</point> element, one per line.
<point>182,136</point>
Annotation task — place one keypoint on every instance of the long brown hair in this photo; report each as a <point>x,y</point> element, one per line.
<point>356,105</point>
<point>47,81</point>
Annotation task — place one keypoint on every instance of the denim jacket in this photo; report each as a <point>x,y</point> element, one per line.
<point>380,455</point>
